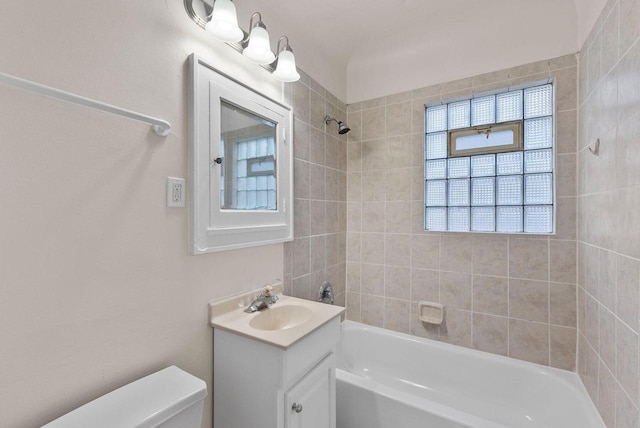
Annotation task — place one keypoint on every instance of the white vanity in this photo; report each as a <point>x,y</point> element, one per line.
<point>274,368</point>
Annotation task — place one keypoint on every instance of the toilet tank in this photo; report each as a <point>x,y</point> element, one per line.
<point>170,398</point>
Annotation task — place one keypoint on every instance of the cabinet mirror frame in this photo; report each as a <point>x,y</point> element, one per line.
<point>214,227</point>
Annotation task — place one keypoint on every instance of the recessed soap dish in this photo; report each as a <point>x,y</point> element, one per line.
<point>430,312</point>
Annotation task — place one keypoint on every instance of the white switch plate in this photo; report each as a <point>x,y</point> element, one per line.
<point>175,192</point>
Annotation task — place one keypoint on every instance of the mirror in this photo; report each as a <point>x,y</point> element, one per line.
<point>248,152</point>
<point>241,164</point>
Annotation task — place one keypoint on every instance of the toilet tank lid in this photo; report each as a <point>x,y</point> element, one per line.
<point>144,403</point>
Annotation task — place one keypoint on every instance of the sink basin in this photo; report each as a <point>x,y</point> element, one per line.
<point>281,317</point>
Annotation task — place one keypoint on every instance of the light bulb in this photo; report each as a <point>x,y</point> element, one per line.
<point>259,49</point>
<point>224,22</point>
<point>286,69</point>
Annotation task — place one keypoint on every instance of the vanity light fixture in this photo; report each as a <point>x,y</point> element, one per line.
<point>286,70</point>
<point>258,47</point>
<point>222,22</point>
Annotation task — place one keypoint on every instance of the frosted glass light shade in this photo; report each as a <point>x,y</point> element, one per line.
<point>224,22</point>
<point>286,69</point>
<point>259,49</point>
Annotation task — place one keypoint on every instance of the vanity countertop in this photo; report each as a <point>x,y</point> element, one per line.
<point>228,314</point>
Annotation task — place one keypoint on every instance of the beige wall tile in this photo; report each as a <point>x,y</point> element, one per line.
<point>562,304</point>
<point>318,217</point>
<point>302,218</point>
<point>566,218</point>
<point>398,217</point>
<point>317,146</point>
<point>529,300</point>
<point>396,315</point>
<point>627,360</point>
<point>606,395</point>
<point>563,62</point>
<point>425,285</point>
<point>626,412</point>
<point>627,222</point>
<point>399,151</point>
<point>398,184</point>
<point>373,186</point>
<point>490,333</point>
<point>629,24</point>
<point>353,307</point>
<point>372,310</point>
<point>566,88</point>
<point>610,40</point>
<point>628,290</point>
<point>373,216</point>
<point>627,162</point>
<point>372,281</point>
<point>301,179</point>
<point>529,69</point>
<point>562,347</point>
<point>628,92</point>
<point>317,110</point>
<point>456,328</point>
<point>317,248</point>
<point>398,98</point>
<point>332,184</point>
<point>354,247</point>
<point>566,132</point>
<point>592,322</point>
<point>397,282</point>
<point>398,250</point>
<point>491,295</point>
<point>398,118</point>
<point>301,101</point>
<point>528,258</point>
<point>333,217</point>
<point>607,332</point>
<point>317,184</point>
<point>332,151</point>
<point>373,154</point>
<point>455,252</point>
<point>354,157</point>
<point>562,256</point>
<point>373,248</point>
<point>301,257</point>
<point>607,279</point>
<point>300,140</point>
<point>373,123</point>
<point>566,183</point>
<point>354,216</point>
<point>354,277</point>
<point>300,287</point>
<point>425,251</point>
<point>529,341</point>
<point>455,290</point>
<point>489,255</point>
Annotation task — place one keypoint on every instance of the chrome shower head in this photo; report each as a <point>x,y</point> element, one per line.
<point>343,128</point>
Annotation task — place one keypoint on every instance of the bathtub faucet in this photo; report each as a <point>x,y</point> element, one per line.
<point>263,301</point>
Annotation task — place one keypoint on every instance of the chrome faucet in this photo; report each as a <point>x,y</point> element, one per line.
<point>263,301</point>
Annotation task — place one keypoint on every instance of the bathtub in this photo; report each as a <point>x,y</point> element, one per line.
<point>386,379</point>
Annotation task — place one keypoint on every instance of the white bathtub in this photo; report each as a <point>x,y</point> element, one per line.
<point>393,380</point>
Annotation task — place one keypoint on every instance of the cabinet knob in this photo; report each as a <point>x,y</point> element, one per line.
<point>296,407</point>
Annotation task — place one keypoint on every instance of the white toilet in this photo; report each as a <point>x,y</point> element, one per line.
<point>170,398</point>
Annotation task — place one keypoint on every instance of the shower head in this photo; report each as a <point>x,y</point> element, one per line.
<point>343,128</point>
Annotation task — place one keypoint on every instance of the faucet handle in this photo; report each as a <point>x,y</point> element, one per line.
<point>267,291</point>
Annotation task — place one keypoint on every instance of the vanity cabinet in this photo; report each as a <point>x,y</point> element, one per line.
<point>311,402</point>
<point>259,384</point>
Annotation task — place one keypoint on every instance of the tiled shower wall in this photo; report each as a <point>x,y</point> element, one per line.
<point>317,252</point>
<point>609,213</point>
<point>506,294</point>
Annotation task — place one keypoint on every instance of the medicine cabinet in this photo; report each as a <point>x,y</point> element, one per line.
<point>241,164</point>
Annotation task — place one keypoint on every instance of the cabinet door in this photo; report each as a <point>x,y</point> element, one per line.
<point>311,403</point>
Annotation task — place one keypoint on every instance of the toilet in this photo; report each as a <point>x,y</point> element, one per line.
<point>170,398</point>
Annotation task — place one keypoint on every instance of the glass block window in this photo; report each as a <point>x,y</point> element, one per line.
<point>501,192</point>
<point>253,185</point>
